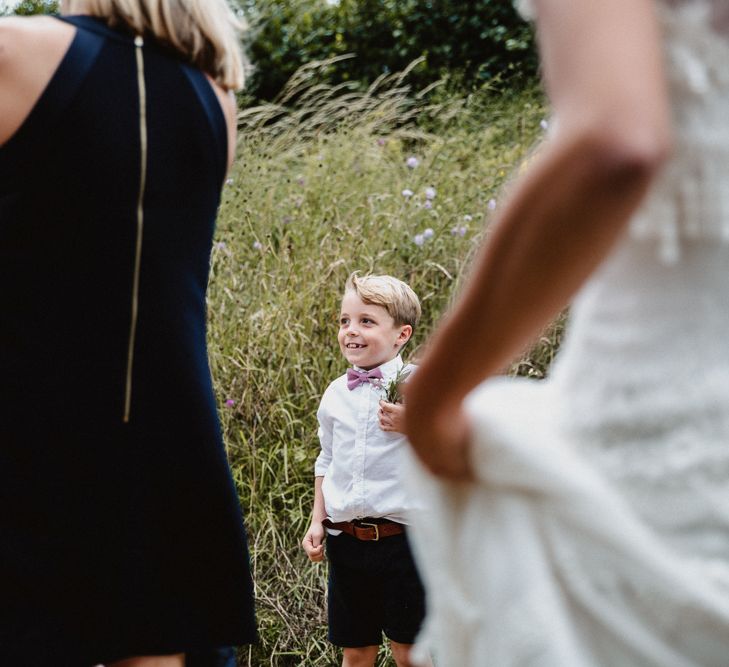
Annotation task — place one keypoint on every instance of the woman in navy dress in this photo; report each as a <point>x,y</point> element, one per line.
<point>120,531</point>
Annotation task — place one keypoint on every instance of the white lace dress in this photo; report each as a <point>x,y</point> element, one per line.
<point>598,531</point>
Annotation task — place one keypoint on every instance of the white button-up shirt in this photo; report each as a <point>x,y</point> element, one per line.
<point>361,464</point>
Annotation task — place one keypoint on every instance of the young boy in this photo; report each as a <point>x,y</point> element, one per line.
<point>359,500</point>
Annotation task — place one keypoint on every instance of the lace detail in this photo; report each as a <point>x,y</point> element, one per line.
<point>690,200</point>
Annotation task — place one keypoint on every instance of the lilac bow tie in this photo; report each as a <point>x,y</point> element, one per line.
<point>356,378</point>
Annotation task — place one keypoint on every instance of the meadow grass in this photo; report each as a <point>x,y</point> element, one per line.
<point>315,193</point>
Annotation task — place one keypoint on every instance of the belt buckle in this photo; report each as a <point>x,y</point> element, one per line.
<point>372,525</point>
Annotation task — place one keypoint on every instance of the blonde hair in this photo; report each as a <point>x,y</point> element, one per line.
<point>395,296</point>
<point>204,32</point>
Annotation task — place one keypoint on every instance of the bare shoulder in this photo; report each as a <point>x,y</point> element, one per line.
<point>30,50</point>
<point>20,29</point>
<point>23,36</point>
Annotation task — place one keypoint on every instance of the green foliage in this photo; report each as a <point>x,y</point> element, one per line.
<point>476,40</point>
<point>30,7</point>
<point>316,192</point>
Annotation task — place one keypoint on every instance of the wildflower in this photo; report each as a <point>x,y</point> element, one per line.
<point>257,245</point>
<point>459,231</point>
<point>229,181</point>
<point>430,193</point>
<point>419,239</point>
<point>381,142</point>
<point>544,124</point>
<point>392,390</point>
<point>428,204</point>
<point>407,193</point>
<point>492,204</point>
<point>230,403</point>
<point>300,180</point>
<point>428,233</point>
<point>467,217</point>
<point>220,245</point>
<point>412,162</point>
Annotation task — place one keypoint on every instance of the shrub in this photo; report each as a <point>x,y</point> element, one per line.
<point>475,39</point>
<point>30,7</point>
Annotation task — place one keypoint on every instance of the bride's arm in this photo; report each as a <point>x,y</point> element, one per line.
<point>603,70</point>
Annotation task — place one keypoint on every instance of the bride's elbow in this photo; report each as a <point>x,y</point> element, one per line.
<point>627,157</point>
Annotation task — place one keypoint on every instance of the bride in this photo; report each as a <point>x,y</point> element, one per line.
<point>583,521</point>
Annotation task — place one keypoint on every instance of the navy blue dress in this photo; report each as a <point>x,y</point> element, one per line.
<point>117,537</point>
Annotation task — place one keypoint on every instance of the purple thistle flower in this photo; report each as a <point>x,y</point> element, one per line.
<point>230,403</point>
<point>492,204</point>
<point>381,142</point>
<point>407,193</point>
<point>462,231</point>
<point>428,233</point>
<point>544,124</point>
<point>419,239</point>
<point>412,162</point>
<point>430,193</point>
<point>428,204</point>
<point>257,245</point>
<point>467,217</point>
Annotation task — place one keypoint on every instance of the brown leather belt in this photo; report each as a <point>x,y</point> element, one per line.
<point>370,530</point>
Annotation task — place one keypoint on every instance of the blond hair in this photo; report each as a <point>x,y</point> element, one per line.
<point>204,32</point>
<point>395,296</point>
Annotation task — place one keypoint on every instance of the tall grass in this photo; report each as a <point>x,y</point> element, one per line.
<point>316,192</point>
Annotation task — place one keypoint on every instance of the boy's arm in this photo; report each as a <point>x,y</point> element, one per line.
<point>313,542</point>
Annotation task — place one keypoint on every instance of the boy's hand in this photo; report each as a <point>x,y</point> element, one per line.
<point>392,416</point>
<point>313,542</point>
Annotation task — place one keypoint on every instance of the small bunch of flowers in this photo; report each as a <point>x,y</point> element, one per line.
<point>430,193</point>
<point>461,230</point>
<point>392,390</point>
<point>425,235</point>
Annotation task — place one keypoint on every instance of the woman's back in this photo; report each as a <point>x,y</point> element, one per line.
<point>110,440</point>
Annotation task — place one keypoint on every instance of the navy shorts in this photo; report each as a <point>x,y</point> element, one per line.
<point>373,588</point>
